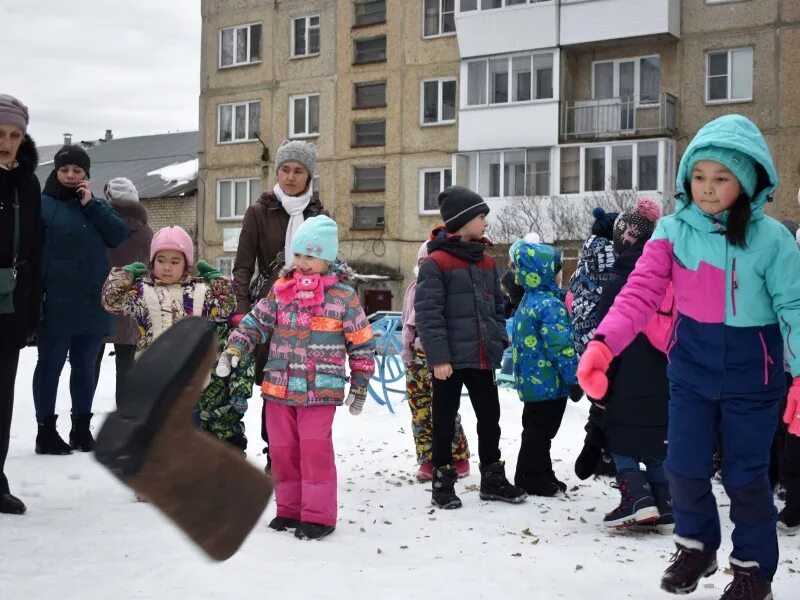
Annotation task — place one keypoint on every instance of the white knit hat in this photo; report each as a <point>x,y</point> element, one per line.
<point>121,188</point>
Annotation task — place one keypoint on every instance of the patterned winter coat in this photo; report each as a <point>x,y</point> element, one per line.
<point>544,354</point>
<point>586,285</point>
<point>156,307</point>
<point>314,325</point>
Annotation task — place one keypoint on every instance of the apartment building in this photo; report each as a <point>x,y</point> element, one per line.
<point>512,98</point>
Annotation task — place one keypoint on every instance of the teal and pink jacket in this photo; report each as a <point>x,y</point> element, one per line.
<point>735,306</point>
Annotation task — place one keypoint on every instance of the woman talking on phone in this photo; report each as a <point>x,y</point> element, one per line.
<point>77,230</point>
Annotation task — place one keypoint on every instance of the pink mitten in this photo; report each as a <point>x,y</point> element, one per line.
<point>592,369</point>
<point>792,415</point>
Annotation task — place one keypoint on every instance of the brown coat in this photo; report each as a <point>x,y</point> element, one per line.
<point>263,236</point>
<point>135,249</point>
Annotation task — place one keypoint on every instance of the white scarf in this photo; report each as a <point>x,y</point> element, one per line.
<point>294,205</point>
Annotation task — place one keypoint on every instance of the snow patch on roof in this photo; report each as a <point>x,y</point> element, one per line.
<point>178,173</point>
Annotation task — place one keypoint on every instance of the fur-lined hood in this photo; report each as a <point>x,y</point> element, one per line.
<point>338,267</point>
<point>27,156</point>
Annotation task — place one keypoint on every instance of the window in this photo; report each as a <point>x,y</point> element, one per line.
<point>729,75</point>
<point>648,166</point>
<point>369,133</point>
<point>638,78</point>
<point>235,195</point>
<point>622,167</point>
<point>305,36</point>
<point>240,45</point>
<point>438,18</point>
<point>467,5</point>
<point>369,179</point>
<point>518,78</point>
<point>238,122</point>
<point>570,170</point>
<point>594,169</point>
<point>225,265</point>
<point>438,101</point>
<point>370,95</point>
<point>370,50</point>
<point>506,173</point>
<point>628,166</point>
<point>369,12</point>
<point>431,183</point>
<point>304,115</point>
<point>369,216</point>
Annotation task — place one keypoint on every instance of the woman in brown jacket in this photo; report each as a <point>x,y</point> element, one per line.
<point>266,237</point>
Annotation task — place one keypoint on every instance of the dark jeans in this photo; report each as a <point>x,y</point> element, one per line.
<point>9,359</point>
<point>446,399</point>
<point>53,350</point>
<point>654,467</point>
<point>123,359</point>
<point>540,424</point>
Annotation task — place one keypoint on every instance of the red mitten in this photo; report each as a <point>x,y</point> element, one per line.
<point>592,369</point>
<point>235,319</point>
<point>792,415</point>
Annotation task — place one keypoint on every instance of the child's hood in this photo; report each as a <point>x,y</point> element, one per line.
<point>339,271</point>
<point>739,133</point>
<point>535,266</point>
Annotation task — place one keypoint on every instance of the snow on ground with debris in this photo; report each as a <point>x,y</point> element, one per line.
<point>86,538</point>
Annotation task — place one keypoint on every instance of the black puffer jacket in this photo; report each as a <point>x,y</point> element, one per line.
<point>459,305</point>
<point>635,421</point>
<point>17,326</point>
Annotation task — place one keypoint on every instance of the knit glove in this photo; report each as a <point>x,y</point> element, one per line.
<point>592,369</point>
<point>228,361</point>
<point>792,415</point>
<point>207,272</point>
<point>355,400</point>
<point>575,392</point>
<point>137,269</point>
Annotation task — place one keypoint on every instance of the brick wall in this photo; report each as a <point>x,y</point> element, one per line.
<point>176,210</point>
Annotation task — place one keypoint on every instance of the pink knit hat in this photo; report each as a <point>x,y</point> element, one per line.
<point>172,238</point>
<point>422,253</point>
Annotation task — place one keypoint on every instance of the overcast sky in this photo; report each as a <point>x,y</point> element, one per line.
<point>85,66</point>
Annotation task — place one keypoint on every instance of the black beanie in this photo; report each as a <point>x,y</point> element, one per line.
<point>603,225</point>
<point>459,205</point>
<point>71,154</point>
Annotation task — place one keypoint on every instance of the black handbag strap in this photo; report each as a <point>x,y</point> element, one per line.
<point>16,232</point>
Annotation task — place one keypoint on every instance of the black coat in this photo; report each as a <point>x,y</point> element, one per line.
<point>635,421</point>
<point>16,327</point>
<point>459,305</point>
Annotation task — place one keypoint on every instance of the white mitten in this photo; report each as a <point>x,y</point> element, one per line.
<point>228,361</point>
<point>355,400</point>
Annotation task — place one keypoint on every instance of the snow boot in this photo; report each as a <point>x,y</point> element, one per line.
<point>80,438</point>
<point>539,485</point>
<point>284,523</point>
<point>206,487</point>
<point>425,472</point>
<point>495,486</point>
<point>666,521</point>
<point>592,452</point>
<point>688,566</point>
<point>746,584</point>
<point>11,505</point>
<point>47,439</point>
<point>313,531</point>
<point>789,519</point>
<point>444,494</point>
<point>637,504</point>
<point>462,468</point>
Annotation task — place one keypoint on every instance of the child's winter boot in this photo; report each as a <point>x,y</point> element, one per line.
<point>425,472</point>
<point>746,584</point>
<point>313,531</point>
<point>539,485</point>
<point>666,521</point>
<point>637,504</point>
<point>284,523</point>
<point>151,444</point>
<point>495,486</point>
<point>444,494</point>
<point>80,437</point>
<point>689,565</point>
<point>789,519</point>
<point>47,439</point>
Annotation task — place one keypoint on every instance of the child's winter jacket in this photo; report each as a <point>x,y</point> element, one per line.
<point>733,303</point>
<point>635,420</point>
<point>156,307</point>
<point>409,335</point>
<point>586,285</point>
<point>312,332</point>
<point>544,354</point>
<point>459,304</point>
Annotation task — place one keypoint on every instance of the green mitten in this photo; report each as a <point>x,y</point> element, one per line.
<point>208,272</point>
<point>137,269</point>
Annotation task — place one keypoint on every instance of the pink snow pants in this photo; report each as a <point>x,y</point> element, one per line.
<point>303,467</point>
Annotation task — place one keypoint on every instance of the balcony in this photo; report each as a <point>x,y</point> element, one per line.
<point>587,21</point>
<point>512,28</point>
<point>630,116</point>
<point>508,126</point>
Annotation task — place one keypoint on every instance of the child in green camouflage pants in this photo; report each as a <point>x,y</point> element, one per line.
<point>420,392</point>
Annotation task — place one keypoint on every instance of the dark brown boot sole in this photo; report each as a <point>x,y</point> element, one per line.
<point>204,486</point>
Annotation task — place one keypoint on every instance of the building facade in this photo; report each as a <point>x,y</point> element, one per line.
<point>513,98</point>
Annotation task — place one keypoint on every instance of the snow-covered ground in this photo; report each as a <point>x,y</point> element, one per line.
<point>85,538</point>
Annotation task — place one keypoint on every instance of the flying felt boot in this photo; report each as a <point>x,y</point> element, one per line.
<point>207,488</point>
